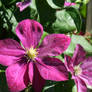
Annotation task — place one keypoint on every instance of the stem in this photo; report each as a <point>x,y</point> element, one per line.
<point>89,17</point>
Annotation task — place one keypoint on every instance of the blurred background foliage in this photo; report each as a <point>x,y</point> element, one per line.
<point>55,18</point>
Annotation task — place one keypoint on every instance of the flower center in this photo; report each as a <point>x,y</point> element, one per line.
<point>77,70</point>
<point>32,53</point>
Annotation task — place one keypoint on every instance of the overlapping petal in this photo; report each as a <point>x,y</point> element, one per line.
<point>23,5</point>
<point>31,71</point>
<point>10,51</point>
<point>42,68</point>
<point>69,63</point>
<point>52,69</point>
<point>37,81</point>
<point>84,68</point>
<point>29,32</point>
<point>87,71</point>
<point>17,77</point>
<point>54,45</point>
<point>79,55</point>
<point>81,86</point>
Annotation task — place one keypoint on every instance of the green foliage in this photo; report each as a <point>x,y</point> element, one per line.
<point>76,39</point>
<point>74,89</point>
<point>3,84</point>
<point>63,23</point>
<point>82,1</point>
<point>67,20</point>
<point>56,4</point>
<point>74,13</point>
<point>55,18</point>
<point>65,86</point>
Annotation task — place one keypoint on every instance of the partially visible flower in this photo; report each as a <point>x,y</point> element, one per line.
<point>69,4</point>
<point>32,64</point>
<point>23,5</point>
<point>80,68</point>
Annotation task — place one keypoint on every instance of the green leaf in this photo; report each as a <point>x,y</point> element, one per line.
<point>3,83</point>
<point>65,86</point>
<point>33,4</point>
<point>49,86</point>
<point>70,49</point>
<point>83,10</point>
<point>46,14</point>
<point>76,39</point>
<point>74,13</point>
<point>85,1</point>
<point>57,21</point>
<point>11,18</point>
<point>83,42</point>
<point>1,71</point>
<point>8,23</point>
<point>29,89</point>
<point>60,57</point>
<point>0,4</point>
<point>43,36</point>
<point>12,1</point>
<point>78,1</point>
<point>56,4</point>
<point>64,22</point>
<point>74,89</point>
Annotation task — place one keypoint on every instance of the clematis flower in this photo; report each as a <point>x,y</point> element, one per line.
<point>69,4</point>
<point>80,68</point>
<point>23,5</point>
<point>32,64</point>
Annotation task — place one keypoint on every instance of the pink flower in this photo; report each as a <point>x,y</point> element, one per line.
<point>33,64</point>
<point>80,68</point>
<point>69,4</point>
<point>23,5</point>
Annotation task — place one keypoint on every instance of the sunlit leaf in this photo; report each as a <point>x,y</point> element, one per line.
<point>64,22</point>
<point>74,89</point>
<point>74,13</point>
<point>56,4</point>
<point>76,39</point>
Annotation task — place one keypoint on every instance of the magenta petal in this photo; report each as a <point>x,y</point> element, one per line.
<point>69,63</point>
<point>17,77</point>
<point>81,86</point>
<point>54,45</point>
<point>10,51</point>
<point>69,4</point>
<point>37,81</point>
<point>29,32</point>
<point>52,69</point>
<point>87,71</point>
<point>79,55</point>
<point>23,5</point>
<point>31,71</point>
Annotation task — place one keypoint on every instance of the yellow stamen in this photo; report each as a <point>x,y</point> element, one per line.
<point>77,70</point>
<point>32,53</point>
